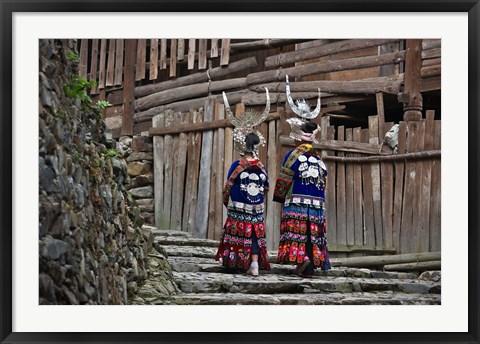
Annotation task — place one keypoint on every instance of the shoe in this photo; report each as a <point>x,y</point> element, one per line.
<point>252,271</point>
<point>301,268</point>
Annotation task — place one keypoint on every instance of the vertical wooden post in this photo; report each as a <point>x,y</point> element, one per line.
<point>129,86</point>
<point>413,64</point>
<point>201,214</point>
<point>158,163</point>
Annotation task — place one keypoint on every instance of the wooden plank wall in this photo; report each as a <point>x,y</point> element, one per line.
<point>379,206</point>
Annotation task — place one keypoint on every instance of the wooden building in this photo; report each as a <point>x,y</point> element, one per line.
<point>377,201</point>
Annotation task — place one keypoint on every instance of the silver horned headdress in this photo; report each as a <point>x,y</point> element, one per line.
<point>302,109</point>
<point>244,124</point>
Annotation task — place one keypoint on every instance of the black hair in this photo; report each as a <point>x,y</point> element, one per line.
<point>251,140</point>
<point>309,127</point>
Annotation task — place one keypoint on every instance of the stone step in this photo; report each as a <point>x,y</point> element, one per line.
<point>167,232</point>
<point>184,241</point>
<point>210,282</point>
<point>360,298</point>
<point>197,264</point>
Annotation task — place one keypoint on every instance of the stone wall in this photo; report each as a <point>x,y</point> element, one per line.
<point>92,248</point>
<point>138,152</point>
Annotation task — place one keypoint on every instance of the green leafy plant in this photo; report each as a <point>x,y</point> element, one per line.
<point>103,104</point>
<point>112,153</point>
<point>72,56</point>
<point>78,87</point>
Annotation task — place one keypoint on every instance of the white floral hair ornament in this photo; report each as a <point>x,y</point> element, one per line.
<point>244,124</point>
<point>301,109</point>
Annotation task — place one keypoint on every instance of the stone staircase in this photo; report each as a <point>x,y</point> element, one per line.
<point>202,280</point>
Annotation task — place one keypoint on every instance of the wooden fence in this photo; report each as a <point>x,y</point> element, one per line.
<point>376,202</point>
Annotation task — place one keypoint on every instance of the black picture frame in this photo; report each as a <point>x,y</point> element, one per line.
<point>9,7</point>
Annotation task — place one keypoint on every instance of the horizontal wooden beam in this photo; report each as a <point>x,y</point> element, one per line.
<point>325,67</point>
<point>360,249</point>
<point>407,156</point>
<point>223,123</point>
<point>187,92</point>
<point>343,146</point>
<point>375,261</point>
<point>390,85</point>
<point>214,74</point>
<point>431,84</point>
<point>323,50</point>
<point>416,266</point>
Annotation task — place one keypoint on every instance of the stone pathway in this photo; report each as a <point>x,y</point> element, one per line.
<point>201,280</point>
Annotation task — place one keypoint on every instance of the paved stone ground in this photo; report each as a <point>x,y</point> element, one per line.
<point>203,281</point>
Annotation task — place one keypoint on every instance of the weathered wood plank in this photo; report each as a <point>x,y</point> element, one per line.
<point>216,73</point>
<point>191,53</point>
<point>398,193</point>
<point>357,192</point>
<point>426,182</point>
<point>201,215</point>
<point>179,178</point>
<point>349,196</point>
<point>428,44</point>
<point>83,65</point>
<point>419,244</point>
<point>94,66</point>
<point>141,59</point>
<point>262,151</point>
<point>225,52</point>
<point>189,173</point>
<point>381,116</point>
<point>173,58</point>
<point>119,62</point>
<point>158,165</point>
<point>271,165</point>
<point>195,162</point>
<point>386,170</point>
<point>386,84</point>
<point>325,67</point>
<point>153,59</point>
<point>111,62</point>
<point>163,54</point>
<point>180,49</point>
<point>213,180</point>
<point>221,123</point>
<point>369,227</point>
<point>406,240</point>
<point>340,193</point>
<point>168,158</point>
<point>425,155</point>
<point>376,182</point>
<point>129,86</point>
<point>330,196</point>
<point>431,84</point>
<point>389,48</point>
<point>417,266</point>
<point>323,50</point>
<point>220,111</point>
<point>202,51</point>
<point>436,185</point>
<point>431,53</point>
<point>214,48</point>
<point>352,147</point>
<point>432,62</point>
<point>101,65</point>
<point>431,71</point>
<point>184,92</point>
<point>371,261</point>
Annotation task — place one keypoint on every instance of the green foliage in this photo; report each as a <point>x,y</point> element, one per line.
<point>112,153</point>
<point>78,87</point>
<point>103,104</point>
<point>72,56</point>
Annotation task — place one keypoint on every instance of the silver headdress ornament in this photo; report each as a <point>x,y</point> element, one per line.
<point>302,109</point>
<point>244,124</point>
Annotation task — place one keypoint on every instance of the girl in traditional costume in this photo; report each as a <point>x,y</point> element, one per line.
<point>243,245</point>
<point>301,187</point>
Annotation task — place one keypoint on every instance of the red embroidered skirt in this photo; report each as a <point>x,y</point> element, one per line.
<point>239,233</point>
